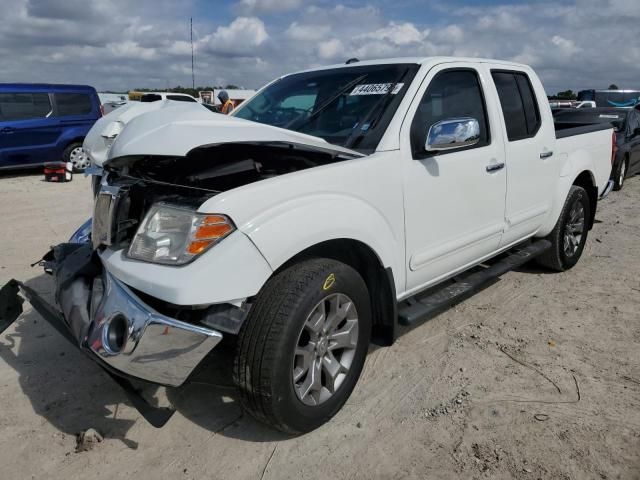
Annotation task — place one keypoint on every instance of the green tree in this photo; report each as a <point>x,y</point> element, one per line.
<point>566,95</point>
<point>613,86</point>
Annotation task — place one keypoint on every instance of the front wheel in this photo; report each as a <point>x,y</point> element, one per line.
<point>569,235</point>
<point>302,348</point>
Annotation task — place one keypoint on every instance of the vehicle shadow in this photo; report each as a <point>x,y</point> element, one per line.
<point>73,393</point>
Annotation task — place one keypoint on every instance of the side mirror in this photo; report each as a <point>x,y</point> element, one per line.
<point>452,133</point>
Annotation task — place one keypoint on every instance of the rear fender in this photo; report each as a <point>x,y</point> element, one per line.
<point>575,165</point>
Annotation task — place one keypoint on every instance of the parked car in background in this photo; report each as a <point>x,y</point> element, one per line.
<point>610,98</point>
<point>111,101</point>
<point>45,123</point>
<point>627,129</point>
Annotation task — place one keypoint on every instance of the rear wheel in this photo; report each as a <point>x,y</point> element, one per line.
<point>620,173</point>
<point>302,348</point>
<point>75,154</point>
<point>569,235</point>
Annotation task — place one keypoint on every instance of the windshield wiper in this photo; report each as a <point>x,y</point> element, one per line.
<point>326,103</point>
<point>357,133</point>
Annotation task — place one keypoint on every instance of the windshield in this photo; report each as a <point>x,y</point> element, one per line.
<point>349,106</point>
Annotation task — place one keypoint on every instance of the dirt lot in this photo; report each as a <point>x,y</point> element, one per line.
<point>538,376</point>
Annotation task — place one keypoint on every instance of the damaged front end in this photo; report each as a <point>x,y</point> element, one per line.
<point>112,325</point>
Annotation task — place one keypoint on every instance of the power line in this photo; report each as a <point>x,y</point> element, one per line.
<point>193,77</point>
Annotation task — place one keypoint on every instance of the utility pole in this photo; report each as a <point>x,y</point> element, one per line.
<point>193,77</point>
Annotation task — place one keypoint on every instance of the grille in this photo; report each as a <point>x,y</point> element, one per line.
<point>102,226</point>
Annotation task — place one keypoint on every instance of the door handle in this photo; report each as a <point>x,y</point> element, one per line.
<point>7,130</point>
<point>544,155</point>
<point>494,167</point>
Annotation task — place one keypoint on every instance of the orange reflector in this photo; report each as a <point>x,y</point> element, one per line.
<point>198,246</point>
<point>213,219</point>
<point>212,231</point>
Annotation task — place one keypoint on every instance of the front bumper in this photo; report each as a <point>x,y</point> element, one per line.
<point>154,347</point>
<point>111,324</point>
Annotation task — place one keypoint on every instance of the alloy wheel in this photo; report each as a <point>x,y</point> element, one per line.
<point>574,228</point>
<point>325,349</point>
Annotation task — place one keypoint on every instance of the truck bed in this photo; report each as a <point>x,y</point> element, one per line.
<point>564,130</point>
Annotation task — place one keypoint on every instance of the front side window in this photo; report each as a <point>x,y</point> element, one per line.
<point>349,106</point>
<point>73,104</point>
<point>519,104</point>
<point>24,106</point>
<point>451,94</point>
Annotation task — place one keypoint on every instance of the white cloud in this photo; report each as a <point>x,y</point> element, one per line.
<point>331,49</point>
<point>266,6</point>
<point>117,44</point>
<point>240,37</point>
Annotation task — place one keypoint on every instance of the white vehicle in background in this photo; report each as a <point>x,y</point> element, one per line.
<point>110,101</point>
<point>317,218</point>
<point>148,97</point>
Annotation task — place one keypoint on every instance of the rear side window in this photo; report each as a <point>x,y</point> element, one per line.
<point>180,98</point>
<point>24,106</point>
<point>519,104</point>
<point>451,94</point>
<point>73,104</point>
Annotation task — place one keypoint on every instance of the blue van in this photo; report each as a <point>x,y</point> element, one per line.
<point>45,123</point>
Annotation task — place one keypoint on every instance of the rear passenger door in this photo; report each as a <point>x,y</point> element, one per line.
<point>529,139</point>
<point>27,129</point>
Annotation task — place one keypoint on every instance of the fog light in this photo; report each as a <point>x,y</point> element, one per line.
<point>114,334</point>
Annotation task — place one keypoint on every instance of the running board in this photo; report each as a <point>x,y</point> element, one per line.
<point>416,309</point>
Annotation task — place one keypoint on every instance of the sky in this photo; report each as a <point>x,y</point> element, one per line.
<point>119,45</point>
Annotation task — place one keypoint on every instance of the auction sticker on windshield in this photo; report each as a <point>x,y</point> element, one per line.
<point>376,89</point>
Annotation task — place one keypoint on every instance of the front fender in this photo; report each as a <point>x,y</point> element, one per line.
<point>287,229</point>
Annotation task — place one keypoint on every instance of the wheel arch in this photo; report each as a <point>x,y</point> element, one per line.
<point>379,280</point>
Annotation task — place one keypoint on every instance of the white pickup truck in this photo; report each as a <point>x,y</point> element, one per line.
<point>316,219</point>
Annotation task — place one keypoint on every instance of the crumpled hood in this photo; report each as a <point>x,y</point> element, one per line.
<point>178,130</point>
<point>112,123</point>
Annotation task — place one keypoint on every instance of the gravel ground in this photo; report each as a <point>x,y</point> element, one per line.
<point>537,376</point>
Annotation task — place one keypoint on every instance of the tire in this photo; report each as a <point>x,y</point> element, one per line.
<point>277,330</point>
<point>569,236</point>
<point>619,174</point>
<point>74,154</point>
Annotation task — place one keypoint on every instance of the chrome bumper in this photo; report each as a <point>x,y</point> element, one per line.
<point>133,338</point>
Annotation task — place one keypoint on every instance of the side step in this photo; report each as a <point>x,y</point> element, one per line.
<point>419,308</point>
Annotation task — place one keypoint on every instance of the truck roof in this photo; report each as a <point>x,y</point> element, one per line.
<point>417,61</point>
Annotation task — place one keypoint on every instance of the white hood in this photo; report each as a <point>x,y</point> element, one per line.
<point>178,130</point>
<point>96,143</point>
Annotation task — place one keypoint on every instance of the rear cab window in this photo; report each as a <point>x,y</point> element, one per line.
<point>24,106</point>
<point>453,93</point>
<point>519,104</point>
<point>72,104</point>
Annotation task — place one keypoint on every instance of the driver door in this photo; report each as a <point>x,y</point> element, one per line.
<point>454,199</point>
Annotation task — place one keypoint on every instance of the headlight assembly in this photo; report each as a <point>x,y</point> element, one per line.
<point>174,236</point>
